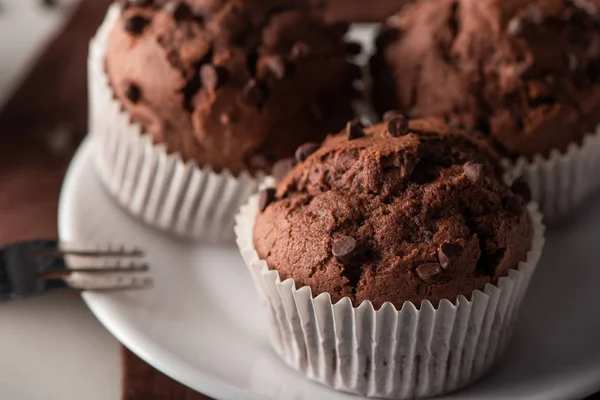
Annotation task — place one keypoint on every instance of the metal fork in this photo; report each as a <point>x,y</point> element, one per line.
<point>34,267</point>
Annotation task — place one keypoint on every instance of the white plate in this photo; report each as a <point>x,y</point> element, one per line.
<point>192,327</point>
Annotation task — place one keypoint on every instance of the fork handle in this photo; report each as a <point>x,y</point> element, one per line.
<point>18,270</point>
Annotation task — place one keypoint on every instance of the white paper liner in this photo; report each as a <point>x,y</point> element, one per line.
<point>561,182</point>
<point>388,353</point>
<point>165,192</point>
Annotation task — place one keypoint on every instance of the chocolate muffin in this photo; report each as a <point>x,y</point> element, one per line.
<point>526,73</point>
<point>232,84</point>
<point>400,211</point>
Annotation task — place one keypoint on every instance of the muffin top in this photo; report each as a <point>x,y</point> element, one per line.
<point>233,84</point>
<point>402,211</point>
<point>524,72</point>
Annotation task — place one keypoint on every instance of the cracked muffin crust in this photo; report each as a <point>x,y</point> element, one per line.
<point>526,73</point>
<point>234,84</point>
<point>400,211</point>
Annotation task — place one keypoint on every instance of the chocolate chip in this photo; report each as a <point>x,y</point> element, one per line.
<point>344,249</point>
<point>251,62</point>
<point>398,126</point>
<point>429,272</point>
<point>282,167</point>
<point>513,205</point>
<point>179,10</point>
<point>354,129</point>
<point>534,14</point>
<point>265,197</point>
<point>521,188</point>
<point>340,27</point>
<point>255,93</point>
<point>259,161</point>
<point>139,3</point>
<point>135,25</point>
<point>299,50</point>
<point>354,72</point>
<point>304,151</point>
<point>391,114</point>
<point>515,27</point>
<point>353,48</point>
<point>387,36</point>
<point>474,172</point>
<point>447,253</point>
<point>213,76</point>
<point>133,93</point>
<point>277,66</point>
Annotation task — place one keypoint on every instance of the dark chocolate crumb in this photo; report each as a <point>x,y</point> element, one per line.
<point>447,253</point>
<point>387,36</point>
<point>140,3</point>
<point>305,150</point>
<point>521,188</point>
<point>513,205</point>
<point>265,198</point>
<point>259,161</point>
<point>179,10</point>
<point>282,167</point>
<point>354,129</point>
<point>474,172</point>
<point>136,24</point>
<point>353,48</point>
<point>354,72</point>
<point>429,272</point>
<point>133,93</point>
<point>340,27</point>
<point>398,126</point>
<point>251,62</point>
<point>344,249</point>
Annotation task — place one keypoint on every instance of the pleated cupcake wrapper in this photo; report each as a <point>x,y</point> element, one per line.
<point>161,189</point>
<point>388,353</point>
<point>561,182</point>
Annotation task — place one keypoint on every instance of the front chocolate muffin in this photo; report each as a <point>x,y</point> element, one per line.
<point>402,211</point>
<point>392,260</point>
<point>234,84</point>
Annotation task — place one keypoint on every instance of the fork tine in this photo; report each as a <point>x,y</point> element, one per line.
<point>110,285</point>
<point>126,269</point>
<point>65,251</point>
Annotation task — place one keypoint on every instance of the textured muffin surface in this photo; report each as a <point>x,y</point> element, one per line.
<point>524,72</point>
<point>234,84</point>
<point>420,216</point>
